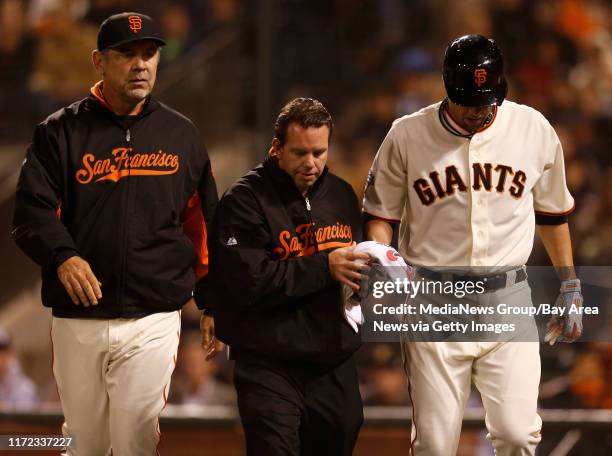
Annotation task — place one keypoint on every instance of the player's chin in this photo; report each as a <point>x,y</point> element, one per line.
<point>138,94</point>
<point>473,125</point>
<point>308,179</point>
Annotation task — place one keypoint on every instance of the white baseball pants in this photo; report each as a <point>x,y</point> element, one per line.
<point>113,378</point>
<point>507,375</point>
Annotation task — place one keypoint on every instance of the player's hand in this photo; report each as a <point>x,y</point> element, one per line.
<point>80,282</point>
<point>345,266</point>
<point>566,328</point>
<point>210,343</point>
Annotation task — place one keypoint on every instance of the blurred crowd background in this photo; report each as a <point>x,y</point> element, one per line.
<point>231,64</point>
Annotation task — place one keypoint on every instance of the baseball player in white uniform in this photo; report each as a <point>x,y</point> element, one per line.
<point>468,179</point>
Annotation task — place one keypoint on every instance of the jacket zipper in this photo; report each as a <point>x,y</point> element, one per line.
<point>123,272</point>
<point>312,223</point>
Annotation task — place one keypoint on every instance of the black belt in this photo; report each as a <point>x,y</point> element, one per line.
<point>489,282</point>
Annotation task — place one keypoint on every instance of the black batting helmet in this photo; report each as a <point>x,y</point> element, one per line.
<point>474,72</point>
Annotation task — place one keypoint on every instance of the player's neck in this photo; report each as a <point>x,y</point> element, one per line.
<point>465,123</point>
<point>454,123</point>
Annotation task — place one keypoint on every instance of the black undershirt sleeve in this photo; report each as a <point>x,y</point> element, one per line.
<point>542,219</point>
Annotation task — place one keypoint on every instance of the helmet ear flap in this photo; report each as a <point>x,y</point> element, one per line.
<point>474,72</point>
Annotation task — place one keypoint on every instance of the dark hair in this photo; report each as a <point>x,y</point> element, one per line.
<point>306,112</point>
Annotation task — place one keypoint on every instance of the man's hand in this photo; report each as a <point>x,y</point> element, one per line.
<point>345,266</point>
<point>210,343</point>
<point>79,281</point>
<point>566,328</point>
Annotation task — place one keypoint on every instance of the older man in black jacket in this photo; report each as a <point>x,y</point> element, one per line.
<point>112,203</point>
<point>282,245</point>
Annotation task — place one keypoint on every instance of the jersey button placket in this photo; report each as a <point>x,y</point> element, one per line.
<point>478,214</point>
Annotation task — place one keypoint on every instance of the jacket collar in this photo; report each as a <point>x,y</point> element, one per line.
<point>284,181</point>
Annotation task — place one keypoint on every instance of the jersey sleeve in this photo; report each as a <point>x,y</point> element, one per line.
<point>385,191</point>
<point>552,199</point>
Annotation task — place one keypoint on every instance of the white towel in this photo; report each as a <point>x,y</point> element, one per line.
<point>383,255</point>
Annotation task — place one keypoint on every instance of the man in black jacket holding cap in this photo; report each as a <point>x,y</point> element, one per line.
<point>112,203</point>
<point>281,246</point>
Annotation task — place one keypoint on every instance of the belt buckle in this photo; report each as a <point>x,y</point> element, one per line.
<point>511,277</point>
<point>447,277</point>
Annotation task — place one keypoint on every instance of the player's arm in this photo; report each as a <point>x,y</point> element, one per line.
<point>385,192</point>
<point>196,219</point>
<point>208,199</point>
<point>37,227</point>
<point>557,242</point>
<point>558,245</point>
<point>379,230</point>
<point>552,203</point>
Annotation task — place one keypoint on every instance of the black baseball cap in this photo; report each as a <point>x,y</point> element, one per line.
<point>123,28</point>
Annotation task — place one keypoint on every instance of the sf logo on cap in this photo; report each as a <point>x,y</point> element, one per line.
<point>135,23</point>
<point>480,76</point>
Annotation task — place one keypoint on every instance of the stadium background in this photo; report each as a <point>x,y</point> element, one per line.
<point>230,65</point>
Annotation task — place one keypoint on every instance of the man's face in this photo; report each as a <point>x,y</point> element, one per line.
<point>471,118</point>
<point>304,154</point>
<point>129,70</point>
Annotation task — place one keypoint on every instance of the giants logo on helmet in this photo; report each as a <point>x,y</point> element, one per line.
<point>480,76</point>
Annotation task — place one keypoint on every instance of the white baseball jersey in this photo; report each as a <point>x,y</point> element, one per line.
<point>465,201</point>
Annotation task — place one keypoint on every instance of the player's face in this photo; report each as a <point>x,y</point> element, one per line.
<point>304,154</point>
<point>129,71</point>
<point>470,118</point>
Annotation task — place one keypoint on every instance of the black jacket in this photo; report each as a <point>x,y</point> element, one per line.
<point>128,194</point>
<point>271,287</point>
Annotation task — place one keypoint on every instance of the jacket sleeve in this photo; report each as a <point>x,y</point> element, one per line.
<point>243,264</point>
<point>37,226</point>
<point>208,199</point>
